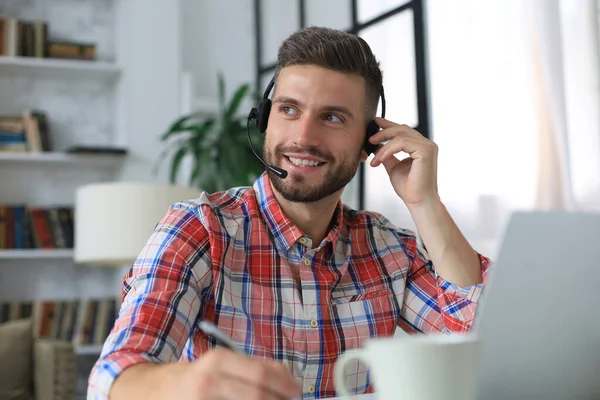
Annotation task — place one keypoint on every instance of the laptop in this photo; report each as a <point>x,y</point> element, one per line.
<point>539,316</point>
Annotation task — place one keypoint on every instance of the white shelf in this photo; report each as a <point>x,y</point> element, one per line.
<point>48,67</point>
<point>32,254</point>
<point>58,158</point>
<point>88,350</point>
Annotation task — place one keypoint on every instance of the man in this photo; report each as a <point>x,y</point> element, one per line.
<point>283,268</point>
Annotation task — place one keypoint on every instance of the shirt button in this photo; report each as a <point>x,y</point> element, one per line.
<point>302,240</point>
<point>314,323</point>
<point>311,389</point>
<point>306,261</point>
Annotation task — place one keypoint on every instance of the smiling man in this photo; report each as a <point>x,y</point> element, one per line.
<point>289,273</point>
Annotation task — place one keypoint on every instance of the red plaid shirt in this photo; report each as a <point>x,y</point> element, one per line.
<point>236,260</point>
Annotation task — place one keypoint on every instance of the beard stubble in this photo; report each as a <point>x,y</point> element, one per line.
<point>294,187</point>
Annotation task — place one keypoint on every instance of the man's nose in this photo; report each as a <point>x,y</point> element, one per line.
<point>307,132</point>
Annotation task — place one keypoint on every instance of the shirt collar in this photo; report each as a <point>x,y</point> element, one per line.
<point>284,230</point>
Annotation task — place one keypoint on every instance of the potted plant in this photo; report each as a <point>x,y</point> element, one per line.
<point>216,145</point>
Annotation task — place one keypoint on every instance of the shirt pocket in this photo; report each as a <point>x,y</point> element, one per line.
<point>369,295</point>
<point>362,316</point>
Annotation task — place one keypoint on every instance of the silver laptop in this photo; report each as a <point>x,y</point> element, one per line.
<point>539,318</point>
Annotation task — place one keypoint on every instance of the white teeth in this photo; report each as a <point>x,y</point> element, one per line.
<point>304,163</point>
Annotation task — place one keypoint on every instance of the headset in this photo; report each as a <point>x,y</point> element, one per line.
<point>261,114</point>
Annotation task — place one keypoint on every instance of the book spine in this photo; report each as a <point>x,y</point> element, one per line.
<point>57,232</point>
<point>1,36</point>
<point>11,37</point>
<point>2,227</point>
<point>42,229</point>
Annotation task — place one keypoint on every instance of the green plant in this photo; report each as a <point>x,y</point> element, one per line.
<point>217,145</point>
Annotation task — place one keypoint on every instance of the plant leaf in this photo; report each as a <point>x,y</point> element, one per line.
<point>238,96</point>
<point>197,129</point>
<point>257,97</point>
<point>200,159</point>
<point>221,93</point>
<point>177,126</point>
<point>218,146</point>
<point>179,122</point>
<point>163,154</point>
<point>176,162</point>
<point>209,183</point>
<point>200,130</point>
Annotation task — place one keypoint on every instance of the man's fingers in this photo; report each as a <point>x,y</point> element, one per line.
<point>392,163</point>
<point>270,375</point>
<point>276,382</point>
<point>390,130</point>
<point>386,134</point>
<point>393,147</point>
<point>273,376</point>
<point>229,388</point>
<point>384,123</point>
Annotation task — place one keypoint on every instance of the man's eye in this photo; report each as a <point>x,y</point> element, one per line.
<point>288,110</point>
<point>333,118</point>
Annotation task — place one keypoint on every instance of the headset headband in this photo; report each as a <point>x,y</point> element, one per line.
<point>381,95</point>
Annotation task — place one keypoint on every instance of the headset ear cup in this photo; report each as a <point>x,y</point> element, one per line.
<point>372,129</point>
<point>262,118</point>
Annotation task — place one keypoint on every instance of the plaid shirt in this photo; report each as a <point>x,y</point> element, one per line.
<point>235,259</point>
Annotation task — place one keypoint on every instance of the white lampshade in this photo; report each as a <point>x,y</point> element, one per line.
<point>114,220</point>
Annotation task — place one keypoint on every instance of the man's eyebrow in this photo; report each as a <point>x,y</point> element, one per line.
<point>339,109</point>
<point>287,100</point>
<point>291,100</point>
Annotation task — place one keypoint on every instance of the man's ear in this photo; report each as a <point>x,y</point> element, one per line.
<point>363,155</point>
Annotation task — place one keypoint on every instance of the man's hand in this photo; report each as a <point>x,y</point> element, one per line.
<point>222,374</point>
<point>218,374</point>
<point>414,178</point>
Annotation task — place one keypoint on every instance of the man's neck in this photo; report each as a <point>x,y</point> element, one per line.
<point>314,218</point>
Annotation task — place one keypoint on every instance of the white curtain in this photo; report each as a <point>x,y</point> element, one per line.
<point>515,100</point>
<point>564,38</point>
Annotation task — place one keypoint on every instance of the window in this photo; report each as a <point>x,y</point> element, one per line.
<point>394,30</point>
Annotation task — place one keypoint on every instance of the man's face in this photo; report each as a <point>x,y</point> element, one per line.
<point>315,131</point>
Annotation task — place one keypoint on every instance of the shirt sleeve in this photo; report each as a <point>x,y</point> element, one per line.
<point>163,293</point>
<point>432,304</point>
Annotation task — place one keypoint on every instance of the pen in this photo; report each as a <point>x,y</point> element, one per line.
<point>212,330</point>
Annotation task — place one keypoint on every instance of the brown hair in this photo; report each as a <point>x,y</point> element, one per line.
<point>335,50</point>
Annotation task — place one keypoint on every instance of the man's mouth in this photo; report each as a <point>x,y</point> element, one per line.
<point>301,162</point>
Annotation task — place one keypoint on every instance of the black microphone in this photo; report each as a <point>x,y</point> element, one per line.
<point>282,173</point>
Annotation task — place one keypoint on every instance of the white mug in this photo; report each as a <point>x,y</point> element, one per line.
<point>427,367</point>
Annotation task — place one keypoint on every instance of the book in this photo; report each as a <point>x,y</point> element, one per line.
<point>97,150</point>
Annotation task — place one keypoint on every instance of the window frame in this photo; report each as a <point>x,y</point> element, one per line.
<point>419,26</point>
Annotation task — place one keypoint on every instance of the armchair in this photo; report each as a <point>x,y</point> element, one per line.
<point>34,368</point>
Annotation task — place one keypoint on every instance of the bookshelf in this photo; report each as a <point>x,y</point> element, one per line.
<point>91,350</point>
<point>84,102</point>
<point>85,322</point>
<point>124,99</point>
<point>58,68</point>
<point>60,87</point>
<point>60,158</point>
<point>33,254</point>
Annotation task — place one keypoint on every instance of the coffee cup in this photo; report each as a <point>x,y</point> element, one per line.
<point>424,367</point>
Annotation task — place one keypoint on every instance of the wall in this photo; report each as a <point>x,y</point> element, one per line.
<point>218,36</point>
<point>149,49</point>
<point>80,112</point>
<point>132,112</point>
<point>68,102</point>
